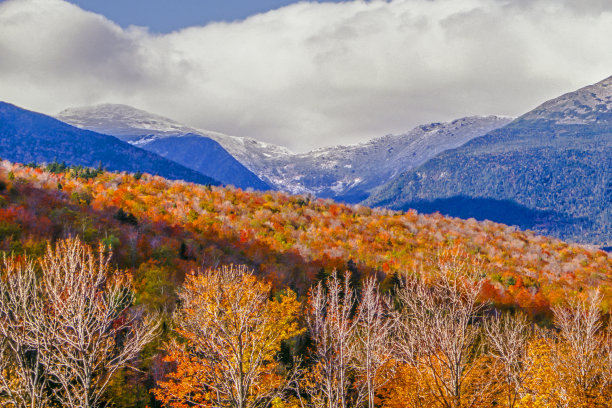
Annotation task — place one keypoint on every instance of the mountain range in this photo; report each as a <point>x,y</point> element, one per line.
<point>345,173</point>
<point>350,173</point>
<point>549,170</point>
<point>27,137</point>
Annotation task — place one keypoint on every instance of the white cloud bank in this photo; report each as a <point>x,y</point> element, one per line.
<point>311,74</point>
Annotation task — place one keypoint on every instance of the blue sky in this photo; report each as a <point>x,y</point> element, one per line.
<point>163,16</point>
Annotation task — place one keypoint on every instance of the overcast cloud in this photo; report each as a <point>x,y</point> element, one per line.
<point>311,74</point>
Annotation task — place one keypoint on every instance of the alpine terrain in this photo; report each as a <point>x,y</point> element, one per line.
<point>549,170</point>
<point>345,173</point>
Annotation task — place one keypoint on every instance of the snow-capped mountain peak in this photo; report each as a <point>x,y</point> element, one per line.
<point>120,120</point>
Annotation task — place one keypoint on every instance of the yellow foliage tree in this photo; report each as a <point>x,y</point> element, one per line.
<point>231,333</point>
<point>405,390</point>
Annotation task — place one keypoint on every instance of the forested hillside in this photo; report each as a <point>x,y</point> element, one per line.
<point>549,178</point>
<point>288,239</point>
<point>205,156</point>
<point>548,171</point>
<point>159,231</point>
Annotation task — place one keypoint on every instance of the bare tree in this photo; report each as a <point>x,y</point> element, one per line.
<point>232,333</point>
<point>373,333</point>
<point>580,352</point>
<point>440,329</point>
<point>332,329</point>
<point>89,329</point>
<point>508,339</point>
<point>22,372</point>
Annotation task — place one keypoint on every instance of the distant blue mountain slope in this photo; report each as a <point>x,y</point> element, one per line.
<point>27,136</point>
<point>198,150</point>
<point>207,157</point>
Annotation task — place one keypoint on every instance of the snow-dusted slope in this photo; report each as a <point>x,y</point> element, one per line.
<point>349,172</point>
<point>587,105</point>
<point>343,172</point>
<point>140,127</point>
<point>121,121</point>
<point>210,153</point>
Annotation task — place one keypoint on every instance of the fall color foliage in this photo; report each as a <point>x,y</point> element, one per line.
<point>230,333</point>
<point>273,300</point>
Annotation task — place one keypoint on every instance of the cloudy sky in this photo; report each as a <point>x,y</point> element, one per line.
<point>302,74</point>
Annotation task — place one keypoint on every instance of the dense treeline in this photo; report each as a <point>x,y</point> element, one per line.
<point>69,326</point>
<point>159,232</point>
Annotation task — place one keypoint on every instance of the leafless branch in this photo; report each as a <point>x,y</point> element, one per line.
<point>440,327</point>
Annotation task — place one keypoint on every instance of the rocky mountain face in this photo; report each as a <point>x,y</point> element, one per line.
<point>27,137</point>
<point>549,171</point>
<point>346,173</point>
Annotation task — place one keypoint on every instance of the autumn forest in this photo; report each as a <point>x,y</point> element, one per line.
<point>129,290</point>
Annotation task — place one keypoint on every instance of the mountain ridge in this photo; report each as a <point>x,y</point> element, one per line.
<point>345,173</point>
<point>155,133</point>
<point>27,136</point>
<point>589,104</point>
